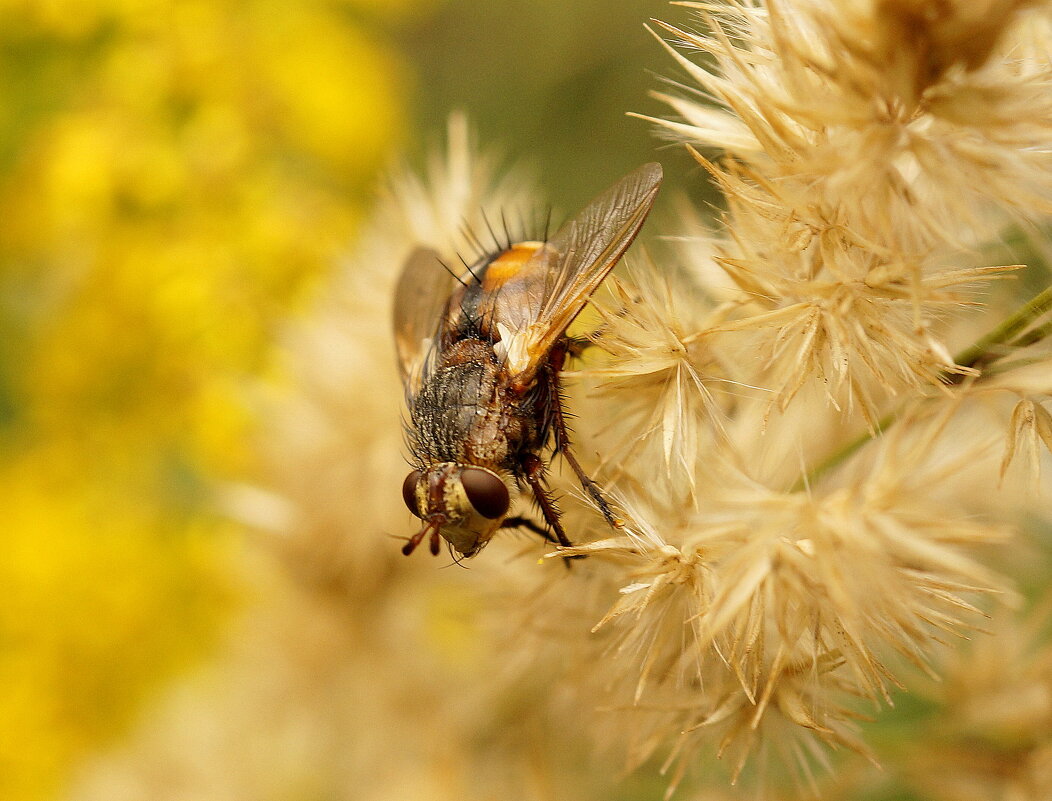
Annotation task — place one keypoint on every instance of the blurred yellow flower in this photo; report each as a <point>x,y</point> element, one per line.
<point>173,175</point>
<point>101,600</point>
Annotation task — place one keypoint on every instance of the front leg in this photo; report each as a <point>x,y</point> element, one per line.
<point>533,471</point>
<point>518,521</point>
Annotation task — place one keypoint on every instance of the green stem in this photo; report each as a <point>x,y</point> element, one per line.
<point>1035,334</point>
<point>842,454</point>
<point>984,350</point>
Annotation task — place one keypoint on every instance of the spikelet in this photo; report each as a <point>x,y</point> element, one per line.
<point>858,157</point>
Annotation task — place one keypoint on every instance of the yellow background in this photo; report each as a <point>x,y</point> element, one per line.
<point>177,178</point>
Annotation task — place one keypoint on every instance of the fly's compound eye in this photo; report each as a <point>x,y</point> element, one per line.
<point>409,491</point>
<point>487,493</point>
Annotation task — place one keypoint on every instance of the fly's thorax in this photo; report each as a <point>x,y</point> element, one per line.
<point>468,502</point>
<point>461,412</point>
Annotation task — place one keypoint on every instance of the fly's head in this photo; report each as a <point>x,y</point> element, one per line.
<point>463,503</point>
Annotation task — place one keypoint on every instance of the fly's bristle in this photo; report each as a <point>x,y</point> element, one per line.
<point>507,234</point>
<point>450,270</point>
<point>496,242</point>
<point>472,239</point>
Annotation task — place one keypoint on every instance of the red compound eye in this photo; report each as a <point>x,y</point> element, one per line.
<point>409,491</point>
<point>487,493</point>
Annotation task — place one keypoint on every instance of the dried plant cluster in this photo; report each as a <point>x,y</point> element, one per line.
<point>820,417</point>
<point>867,151</point>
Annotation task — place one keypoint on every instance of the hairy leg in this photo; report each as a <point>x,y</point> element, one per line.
<point>562,433</point>
<point>533,471</point>
<point>524,522</point>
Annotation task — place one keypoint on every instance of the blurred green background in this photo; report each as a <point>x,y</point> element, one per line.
<point>177,178</point>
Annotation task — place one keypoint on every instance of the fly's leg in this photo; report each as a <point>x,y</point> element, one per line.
<point>524,522</point>
<point>562,433</point>
<point>533,471</point>
<point>576,346</point>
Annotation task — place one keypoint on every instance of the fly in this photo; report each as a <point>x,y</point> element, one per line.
<point>480,355</point>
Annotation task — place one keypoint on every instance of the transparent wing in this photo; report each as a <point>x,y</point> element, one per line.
<point>420,301</point>
<point>533,308</point>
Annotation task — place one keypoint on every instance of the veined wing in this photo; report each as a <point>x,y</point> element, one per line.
<point>420,302</point>
<point>532,308</point>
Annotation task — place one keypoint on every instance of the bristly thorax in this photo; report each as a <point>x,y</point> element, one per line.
<point>451,415</point>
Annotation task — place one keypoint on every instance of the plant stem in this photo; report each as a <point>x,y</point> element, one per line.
<point>983,351</point>
<point>842,454</point>
<point>1035,334</point>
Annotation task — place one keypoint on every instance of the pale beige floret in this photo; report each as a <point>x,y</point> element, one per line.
<point>854,154</point>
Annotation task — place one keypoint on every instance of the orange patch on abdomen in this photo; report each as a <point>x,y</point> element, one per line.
<point>507,265</point>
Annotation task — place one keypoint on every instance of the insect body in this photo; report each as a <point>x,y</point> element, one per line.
<point>480,355</point>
